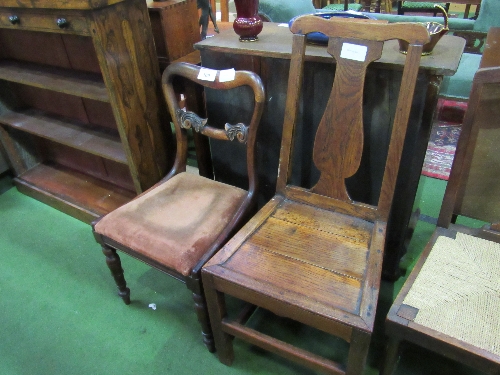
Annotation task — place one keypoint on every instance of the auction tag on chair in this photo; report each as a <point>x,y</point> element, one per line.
<point>207,74</point>
<point>227,75</point>
<point>353,52</point>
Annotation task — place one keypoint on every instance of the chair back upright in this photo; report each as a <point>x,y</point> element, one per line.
<point>473,189</point>
<point>184,120</point>
<point>338,145</point>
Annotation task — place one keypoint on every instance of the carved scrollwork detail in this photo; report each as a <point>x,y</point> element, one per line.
<point>240,131</point>
<point>188,120</point>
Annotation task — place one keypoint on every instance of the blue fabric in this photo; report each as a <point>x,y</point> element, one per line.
<point>489,16</point>
<point>285,10</point>
<point>320,38</point>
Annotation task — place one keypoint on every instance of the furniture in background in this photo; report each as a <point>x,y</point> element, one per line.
<point>472,30</point>
<point>313,254</point>
<point>224,9</point>
<point>345,5</point>
<point>181,222</point>
<point>428,7</point>
<point>458,86</point>
<point>468,8</point>
<point>175,30</point>
<point>80,108</point>
<point>270,59</point>
<point>449,303</point>
<point>487,17</point>
<point>417,6</point>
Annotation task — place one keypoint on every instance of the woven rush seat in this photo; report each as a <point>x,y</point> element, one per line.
<point>449,303</point>
<point>457,291</point>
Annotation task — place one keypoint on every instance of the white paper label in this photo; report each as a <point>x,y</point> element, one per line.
<point>227,75</point>
<point>207,74</point>
<point>353,52</point>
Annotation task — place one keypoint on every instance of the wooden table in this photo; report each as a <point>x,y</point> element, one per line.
<point>269,57</point>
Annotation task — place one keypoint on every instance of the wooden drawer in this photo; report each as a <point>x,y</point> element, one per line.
<point>58,22</point>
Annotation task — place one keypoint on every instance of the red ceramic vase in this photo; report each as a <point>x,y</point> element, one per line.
<point>247,23</point>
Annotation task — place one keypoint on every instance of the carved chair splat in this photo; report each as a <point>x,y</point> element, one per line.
<point>313,254</point>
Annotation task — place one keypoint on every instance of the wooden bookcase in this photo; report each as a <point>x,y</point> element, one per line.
<point>81,111</point>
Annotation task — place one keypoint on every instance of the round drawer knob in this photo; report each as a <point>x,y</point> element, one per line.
<point>62,23</point>
<point>14,20</point>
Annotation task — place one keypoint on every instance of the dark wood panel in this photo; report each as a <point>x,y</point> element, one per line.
<point>81,53</point>
<point>30,46</point>
<point>100,113</point>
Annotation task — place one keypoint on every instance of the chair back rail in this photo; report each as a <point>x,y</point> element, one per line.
<point>185,119</point>
<point>341,127</point>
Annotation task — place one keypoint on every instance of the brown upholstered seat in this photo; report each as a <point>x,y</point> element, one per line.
<point>181,222</point>
<point>175,223</point>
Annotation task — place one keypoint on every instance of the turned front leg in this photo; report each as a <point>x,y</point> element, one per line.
<point>115,266</point>
<point>201,311</point>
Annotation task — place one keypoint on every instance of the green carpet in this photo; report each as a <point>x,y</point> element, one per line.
<point>60,313</point>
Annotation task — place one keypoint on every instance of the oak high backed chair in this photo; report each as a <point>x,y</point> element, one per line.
<point>313,254</point>
<point>182,221</point>
<point>450,302</point>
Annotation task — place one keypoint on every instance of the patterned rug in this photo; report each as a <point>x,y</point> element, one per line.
<point>443,140</point>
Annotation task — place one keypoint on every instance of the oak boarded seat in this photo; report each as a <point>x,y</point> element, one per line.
<point>314,254</point>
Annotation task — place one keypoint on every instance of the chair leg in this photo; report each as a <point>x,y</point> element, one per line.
<point>358,352</point>
<point>200,307</point>
<point>115,266</point>
<point>391,357</point>
<point>217,309</point>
